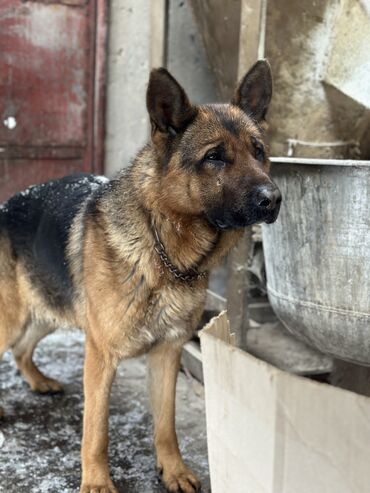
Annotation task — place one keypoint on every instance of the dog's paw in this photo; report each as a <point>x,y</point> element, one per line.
<point>179,479</point>
<point>98,488</point>
<point>46,386</point>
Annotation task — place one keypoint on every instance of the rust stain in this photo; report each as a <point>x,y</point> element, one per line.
<point>50,105</point>
<point>70,3</point>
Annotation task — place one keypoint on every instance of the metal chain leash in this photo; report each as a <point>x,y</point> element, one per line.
<point>188,276</point>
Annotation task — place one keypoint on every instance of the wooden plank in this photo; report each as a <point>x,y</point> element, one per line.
<point>261,312</point>
<point>251,47</point>
<point>100,82</point>
<point>191,359</point>
<point>215,302</point>
<point>238,282</point>
<point>158,33</point>
<point>272,343</point>
<point>252,34</point>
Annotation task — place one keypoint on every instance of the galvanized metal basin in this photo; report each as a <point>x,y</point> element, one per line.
<point>318,254</point>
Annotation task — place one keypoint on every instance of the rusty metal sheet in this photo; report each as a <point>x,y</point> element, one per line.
<point>52,82</point>
<point>44,74</point>
<point>17,174</point>
<point>72,3</point>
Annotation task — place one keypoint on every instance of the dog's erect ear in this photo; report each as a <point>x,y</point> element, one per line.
<point>254,93</point>
<point>169,108</point>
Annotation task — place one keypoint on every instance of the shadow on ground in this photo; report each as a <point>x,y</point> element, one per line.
<point>40,435</point>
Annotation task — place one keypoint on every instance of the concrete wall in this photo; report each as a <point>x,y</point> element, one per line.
<point>128,69</point>
<point>314,107</point>
<point>320,59</point>
<point>218,23</point>
<point>127,75</point>
<point>186,56</point>
<point>313,100</point>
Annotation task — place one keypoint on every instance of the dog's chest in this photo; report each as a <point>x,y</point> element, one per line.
<point>170,314</point>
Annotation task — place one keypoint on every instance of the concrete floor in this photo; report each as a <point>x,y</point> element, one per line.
<point>40,435</point>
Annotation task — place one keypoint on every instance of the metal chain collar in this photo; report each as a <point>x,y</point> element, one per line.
<point>188,276</point>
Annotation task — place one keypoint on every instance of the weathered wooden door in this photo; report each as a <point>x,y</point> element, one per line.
<point>52,57</point>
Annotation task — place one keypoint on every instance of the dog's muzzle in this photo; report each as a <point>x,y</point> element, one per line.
<point>261,205</point>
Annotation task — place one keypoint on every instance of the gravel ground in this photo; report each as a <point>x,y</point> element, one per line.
<point>40,435</point>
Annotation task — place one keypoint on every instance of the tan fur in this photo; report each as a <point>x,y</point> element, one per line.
<point>125,299</point>
<point>164,363</point>
<point>134,306</point>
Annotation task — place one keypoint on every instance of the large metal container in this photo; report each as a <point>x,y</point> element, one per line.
<point>318,254</point>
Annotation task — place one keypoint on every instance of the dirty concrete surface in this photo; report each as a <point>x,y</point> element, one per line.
<point>40,435</point>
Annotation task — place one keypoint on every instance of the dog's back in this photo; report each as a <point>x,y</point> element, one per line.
<point>34,233</point>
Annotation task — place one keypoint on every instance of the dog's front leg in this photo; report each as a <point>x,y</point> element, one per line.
<point>99,373</point>
<point>163,366</point>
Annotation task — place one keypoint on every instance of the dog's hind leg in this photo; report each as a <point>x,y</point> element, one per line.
<point>23,352</point>
<point>13,313</point>
<point>163,366</point>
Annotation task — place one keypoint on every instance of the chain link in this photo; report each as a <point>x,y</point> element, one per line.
<point>187,276</point>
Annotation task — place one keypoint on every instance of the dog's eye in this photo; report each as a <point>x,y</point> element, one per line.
<point>216,157</point>
<point>259,152</point>
<point>213,155</point>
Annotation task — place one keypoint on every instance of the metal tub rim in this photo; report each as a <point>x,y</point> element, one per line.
<point>320,162</point>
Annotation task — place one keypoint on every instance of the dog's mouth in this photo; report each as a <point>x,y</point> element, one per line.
<point>271,220</point>
<point>226,221</point>
<point>221,225</point>
<point>273,215</point>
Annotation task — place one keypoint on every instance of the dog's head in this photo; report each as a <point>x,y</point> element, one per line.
<point>213,158</point>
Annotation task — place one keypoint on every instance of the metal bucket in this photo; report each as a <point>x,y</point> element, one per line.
<point>318,254</point>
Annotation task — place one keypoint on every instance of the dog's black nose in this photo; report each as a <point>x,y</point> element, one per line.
<point>268,197</point>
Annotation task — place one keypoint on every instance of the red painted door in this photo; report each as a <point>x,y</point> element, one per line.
<point>52,57</point>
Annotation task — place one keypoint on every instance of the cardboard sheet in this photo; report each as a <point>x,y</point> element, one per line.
<point>273,432</point>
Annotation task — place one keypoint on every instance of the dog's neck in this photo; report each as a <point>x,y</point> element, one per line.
<point>189,241</point>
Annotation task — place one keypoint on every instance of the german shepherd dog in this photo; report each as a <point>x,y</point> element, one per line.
<point>128,260</point>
